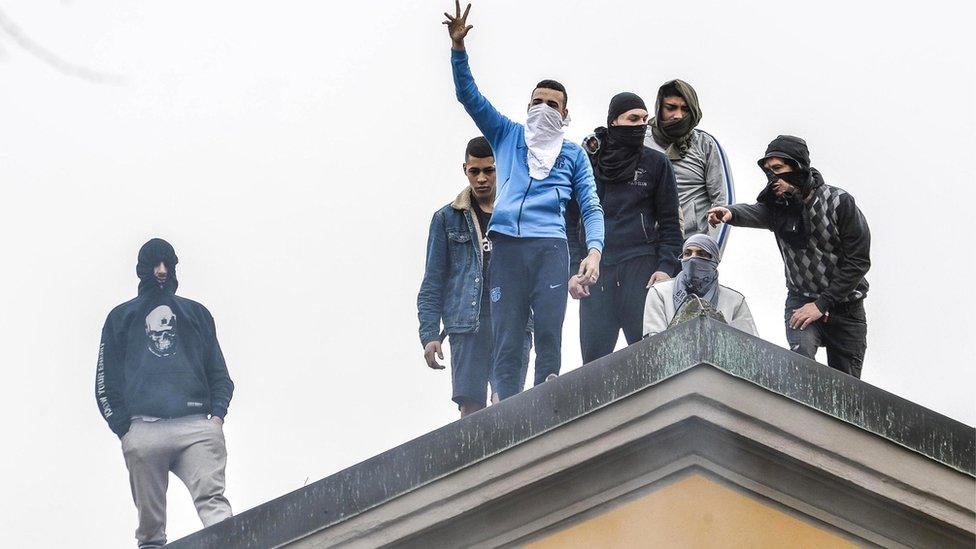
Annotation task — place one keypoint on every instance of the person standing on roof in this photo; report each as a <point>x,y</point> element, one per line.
<point>162,386</point>
<point>636,188</point>
<point>701,167</point>
<point>698,277</point>
<point>826,247</point>
<point>539,172</point>
<point>454,289</point>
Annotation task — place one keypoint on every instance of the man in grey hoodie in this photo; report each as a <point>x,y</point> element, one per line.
<point>701,168</point>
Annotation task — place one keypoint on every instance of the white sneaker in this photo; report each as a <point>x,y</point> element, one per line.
<point>551,377</point>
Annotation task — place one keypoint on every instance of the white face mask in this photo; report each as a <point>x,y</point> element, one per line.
<point>544,138</point>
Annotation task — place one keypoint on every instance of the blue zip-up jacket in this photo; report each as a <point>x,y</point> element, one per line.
<point>526,207</point>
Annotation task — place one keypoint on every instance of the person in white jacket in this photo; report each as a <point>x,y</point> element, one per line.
<point>700,257</point>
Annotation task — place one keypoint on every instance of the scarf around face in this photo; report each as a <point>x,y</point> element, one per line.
<point>619,153</point>
<point>676,135</point>
<point>698,276</point>
<point>544,139</point>
<point>787,219</point>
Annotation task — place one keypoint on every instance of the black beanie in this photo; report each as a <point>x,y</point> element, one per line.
<point>789,148</point>
<point>623,102</point>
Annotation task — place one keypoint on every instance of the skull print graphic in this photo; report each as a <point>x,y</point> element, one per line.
<point>161,331</point>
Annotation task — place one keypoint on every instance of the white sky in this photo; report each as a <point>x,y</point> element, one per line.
<point>293,153</point>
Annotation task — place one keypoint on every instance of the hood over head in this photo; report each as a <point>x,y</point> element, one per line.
<point>153,253</point>
<point>698,276</point>
<point>790,148</point>
<point>676,134</point>
<point>705,242</point>
<point>794,151</point>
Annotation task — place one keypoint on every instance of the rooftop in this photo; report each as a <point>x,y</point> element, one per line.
<point>717,386</point>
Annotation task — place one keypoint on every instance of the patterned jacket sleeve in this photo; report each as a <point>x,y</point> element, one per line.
<point>855,254</point>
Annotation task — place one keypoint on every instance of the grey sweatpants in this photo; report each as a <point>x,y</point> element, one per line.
<point>192,447</point>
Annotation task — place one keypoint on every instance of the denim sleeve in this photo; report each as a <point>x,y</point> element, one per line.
<point>669,229</point>
<point>430,300</point>
<point>584,189</point>
<point>493,124</point>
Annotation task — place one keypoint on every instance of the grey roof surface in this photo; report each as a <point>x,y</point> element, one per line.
<point>465,442</point>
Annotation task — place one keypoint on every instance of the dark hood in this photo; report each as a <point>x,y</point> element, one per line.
<point>790,148</point>
<point>794,151</point>
<point>676,135</point>
<point>153,253</point>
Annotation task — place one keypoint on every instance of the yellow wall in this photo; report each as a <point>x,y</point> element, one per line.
<point>693,512</point>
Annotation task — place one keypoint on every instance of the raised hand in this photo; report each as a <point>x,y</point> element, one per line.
<point>457,26</point>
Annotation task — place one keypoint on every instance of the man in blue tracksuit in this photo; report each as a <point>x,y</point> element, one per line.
<point>539,172</point>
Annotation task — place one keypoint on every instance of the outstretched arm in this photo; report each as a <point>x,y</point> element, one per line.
<point>493,124</point>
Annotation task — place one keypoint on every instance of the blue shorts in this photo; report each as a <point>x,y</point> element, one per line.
<point>471,356</point>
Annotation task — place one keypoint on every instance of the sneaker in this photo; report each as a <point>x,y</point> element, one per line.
<point>551,377</point>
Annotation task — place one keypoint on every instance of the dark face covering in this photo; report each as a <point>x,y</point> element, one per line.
<point>151,254</point>
<point>698,276</point>
<point>676,135</point>
<point>787,210</point>
<point>620,146</point>
<point>619,153</point>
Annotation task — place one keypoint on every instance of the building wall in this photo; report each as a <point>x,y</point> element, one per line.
<point>694,512</point>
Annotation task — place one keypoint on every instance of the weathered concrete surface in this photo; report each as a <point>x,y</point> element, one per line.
<point>586,390</point>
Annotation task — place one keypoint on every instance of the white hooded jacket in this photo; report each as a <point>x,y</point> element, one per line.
<point>659,309</point>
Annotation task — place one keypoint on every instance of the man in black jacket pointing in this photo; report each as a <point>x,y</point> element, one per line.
<point>162,386</point>
<point>826,247</point>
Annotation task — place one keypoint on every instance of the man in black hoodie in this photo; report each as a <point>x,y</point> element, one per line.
<point>643,237</point>
<point>162,386</point>
<point>826,247</point>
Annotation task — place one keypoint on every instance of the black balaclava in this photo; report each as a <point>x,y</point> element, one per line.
<point>620,148</point>
<point>787,211</point>
<point>153,253</point>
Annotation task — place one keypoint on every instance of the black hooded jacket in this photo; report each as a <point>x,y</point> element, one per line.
<point>159,354</point>
<point>640,216</point>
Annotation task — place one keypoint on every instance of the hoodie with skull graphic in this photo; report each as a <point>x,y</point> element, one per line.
<point>159,355</point>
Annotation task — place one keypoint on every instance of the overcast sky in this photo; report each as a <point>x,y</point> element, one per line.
<point>293,153</point>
